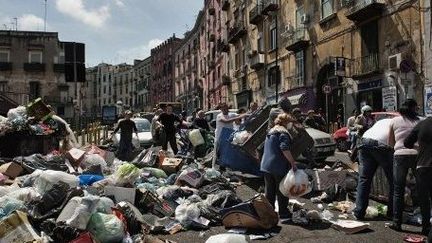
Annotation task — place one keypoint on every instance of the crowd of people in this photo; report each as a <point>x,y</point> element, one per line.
<point>396,144</point>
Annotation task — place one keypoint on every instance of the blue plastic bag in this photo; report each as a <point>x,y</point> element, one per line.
<point>87,180</point>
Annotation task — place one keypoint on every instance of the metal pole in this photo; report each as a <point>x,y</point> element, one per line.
<point>327,112</point>
<point>277,59</point>
<point>76,116</point>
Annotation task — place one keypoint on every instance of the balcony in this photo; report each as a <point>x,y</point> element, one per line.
<point>223,46</point>
<point>270,6</point>
<point>255,16</point>
<point>59,68</point>
<point>212,11</point>
<point>366,66</point>
<point>212,37</point>
<point>226,80</point>
<point>297,40</point>
<point>34,67</point>
<point>5,66</point>
<point>365,9</point>
<point>212,64</point>
<point>225,5</point>
<point>257,61</point>
<point>236,32</point>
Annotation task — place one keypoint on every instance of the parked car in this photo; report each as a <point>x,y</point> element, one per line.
<point>341,136</point>
<point>324,144</point>
<point>211,116</point>
<point>144,133</point>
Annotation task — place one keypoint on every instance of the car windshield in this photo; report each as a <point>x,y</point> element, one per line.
<point>143,125</point>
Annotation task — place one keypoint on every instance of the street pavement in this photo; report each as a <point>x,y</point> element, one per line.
<point>321,232</point>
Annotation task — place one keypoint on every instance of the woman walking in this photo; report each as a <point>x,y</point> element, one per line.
<point>404,158</point>
<point>276,162</point>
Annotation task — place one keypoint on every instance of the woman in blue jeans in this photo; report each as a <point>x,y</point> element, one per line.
<point>404,158</point>
<point>276,162</point>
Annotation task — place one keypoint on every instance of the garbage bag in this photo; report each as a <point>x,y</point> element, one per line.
<point>227,238</point>
<point>8,205</point>
<point>223,199</point>
<point>59,232</point>
<point>212,174</point>
<point>187,213</point>
<point>214,188</point>
<point>241,137</point>
<point>89,179</point>
<point>4,190</point>
<point>48,178</point>
<point>299,217</point>
<point>295,184</point>
<point>158,173</point>
<point>126,174</point>
<point>106,228</point>
<point>195,137</point>
<point>38,161</point>
<point>47,206</point>
<point>173,193</point>
<point>26,194</point>
<point>92,160</point>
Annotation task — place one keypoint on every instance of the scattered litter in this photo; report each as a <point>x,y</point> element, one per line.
<point>349,226</point>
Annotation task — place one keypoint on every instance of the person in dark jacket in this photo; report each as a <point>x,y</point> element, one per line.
<point>201,122</point>
<point>126,127</point>
<point>276,162</point>
<point>310,120</point>
<point>422,133</point>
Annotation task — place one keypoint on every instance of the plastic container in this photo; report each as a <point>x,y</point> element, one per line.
<point>196,138</point>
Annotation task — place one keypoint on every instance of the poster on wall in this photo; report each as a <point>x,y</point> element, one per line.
<point>428,101</point>
<point>389,99</point>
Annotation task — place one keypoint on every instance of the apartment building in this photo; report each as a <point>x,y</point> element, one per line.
<point>32,65</point>
<point>425,6</point>
<point>142,70</point>
<point>162,85</point>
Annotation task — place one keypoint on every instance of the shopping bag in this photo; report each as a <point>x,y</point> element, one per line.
<point>295,184</point>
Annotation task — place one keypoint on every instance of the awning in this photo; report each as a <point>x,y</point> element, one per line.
<point>299,99</point>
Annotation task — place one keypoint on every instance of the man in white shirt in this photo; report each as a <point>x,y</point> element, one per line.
<point>374,151</point>
<point>223,119</point>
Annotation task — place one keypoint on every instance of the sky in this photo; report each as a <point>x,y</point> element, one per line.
<point>114,31</point>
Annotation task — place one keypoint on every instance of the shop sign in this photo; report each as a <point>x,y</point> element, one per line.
<point>428,101</point>
<point>389,98</point>
<point>370,85</point>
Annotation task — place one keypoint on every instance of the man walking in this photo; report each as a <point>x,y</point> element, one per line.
<point>374,151</point>
<point>166,121</point>
<point>126,127</point>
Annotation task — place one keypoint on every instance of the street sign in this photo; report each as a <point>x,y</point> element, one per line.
<point>406,66</point>
<point>326,89</point>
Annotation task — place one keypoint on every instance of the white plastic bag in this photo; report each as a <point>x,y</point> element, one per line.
<point>48,178</point>
<point>227,238</point>
<point>241,137</point>
<point>26,194</point>
<point>295,184</point>
<point>135,142</point>
<point>186,213</point>
<point>196,138</point>
<point>94,159</point>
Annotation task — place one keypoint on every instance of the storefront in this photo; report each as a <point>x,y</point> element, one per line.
<point>370,93</point>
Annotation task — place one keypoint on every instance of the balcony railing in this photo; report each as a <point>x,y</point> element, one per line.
<point>225,5</point>
<point>34,67</point>
<point>255,15</point>
<point>297,40</point>
<point>5,66</point>
<point>236,32</point>
<point>257,61</point>
<point>270,6</point>
<point>365,9</point>
<point>366,65</point>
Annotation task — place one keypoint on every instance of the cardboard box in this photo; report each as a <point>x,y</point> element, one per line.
<point>171,165</point>
<point>75,156</point>
<point>327,178</point>
<point>11,170</point>
<point>121,193</point>
<point>16,228</point>
<point>349,226</point>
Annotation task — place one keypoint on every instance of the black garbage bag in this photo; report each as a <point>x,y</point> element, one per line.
<point>174,194</point>
<point>134,218</point>
<point>299,217</point>
<point>52,202</point>
<point>214,188</point>
<point>59,232</point>
<point>38,161</point>
<point>211,213</point>
<point>223,199</point>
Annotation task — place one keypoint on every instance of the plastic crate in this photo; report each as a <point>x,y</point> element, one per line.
<point>39,110</point>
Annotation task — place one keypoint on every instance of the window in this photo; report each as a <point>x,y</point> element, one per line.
<point>273,76</point>
<point>34,90</point>
<point>326,8</point>
<point>4,55</point>
<point>299,14</point>
<point>104,90</point>
<point>61,58</point>
<point>3,86</point>
<point>273,36</point>
<point>300,69</point>
<point>35,57</point>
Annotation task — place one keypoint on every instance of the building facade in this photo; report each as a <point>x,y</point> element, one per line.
<point>142,70</point>
<point>32,65</point>
<point>427,55</point>
<point>187,75</point>
<point>333,55</point>
<point>162,84</point>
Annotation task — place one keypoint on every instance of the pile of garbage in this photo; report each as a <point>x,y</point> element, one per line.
<point>88,194</point>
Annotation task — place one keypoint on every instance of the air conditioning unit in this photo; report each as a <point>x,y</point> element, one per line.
<point>304,19</point>
<point>394,61</point>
